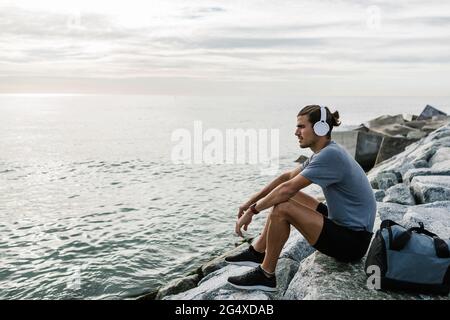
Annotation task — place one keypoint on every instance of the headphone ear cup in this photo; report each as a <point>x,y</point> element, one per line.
<point>321,128</point>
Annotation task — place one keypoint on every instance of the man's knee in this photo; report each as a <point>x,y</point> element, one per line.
<point>280,211</point>
<point>306,200</point>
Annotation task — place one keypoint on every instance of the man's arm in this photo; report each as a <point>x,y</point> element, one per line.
<point>271,186</point>
<point>283,192</point>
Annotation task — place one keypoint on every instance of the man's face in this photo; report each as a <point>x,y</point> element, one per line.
<point>305,132</point>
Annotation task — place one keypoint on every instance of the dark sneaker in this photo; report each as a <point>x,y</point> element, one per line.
<point>254,279</point>
<point>249,258</point>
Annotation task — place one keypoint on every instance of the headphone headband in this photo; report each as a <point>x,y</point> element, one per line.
<point>323,114</point>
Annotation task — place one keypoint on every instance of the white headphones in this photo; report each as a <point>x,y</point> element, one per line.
<point>321,127</point>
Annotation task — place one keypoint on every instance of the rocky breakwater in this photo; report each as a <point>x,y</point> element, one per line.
<point>412,186</point>
<point>381,138</point>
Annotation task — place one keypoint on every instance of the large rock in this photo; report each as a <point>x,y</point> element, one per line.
<point>385,180</point>
<point>428,189</point>
<point>177,286</point>
<point>391,211</point>
<point>367,149</point>
<point>382,142</point>
<point>374,174</point>
<point>360,128</point>
<point>421,164</point>
<point>416,124</point>
<point>399,194</point>
<point>444,165</point>
<point>441,155</point>
<point>435,216</point>
<point>439,134</point>
<point>430,112</point>
<point>416,135</point>
<point>286,270</point>
<point>148,296</point>
<point>224,294</point>
<point>398,130</point>
<point>379,194</point>
<point>296,248</point>
<point>219,262</point>
<point>409,117</point>
<point>385,120</point>
<point>213,285</point>
<point>323,278</point>
<point>410,174</point>
<point>435,124</point>
<point>362,146</point>
<point>415,155</point>
<point>386,177</point>
<point>391,146</point>
<point>347,139</point>
<point>420,152</point>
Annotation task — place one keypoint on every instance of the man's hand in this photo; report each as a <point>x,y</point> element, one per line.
<point>243,221</point>
<point>242,209</point>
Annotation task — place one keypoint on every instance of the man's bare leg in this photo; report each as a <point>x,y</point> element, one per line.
<point>300,198</point>
<point>260,243</point>
<point>306,220</point>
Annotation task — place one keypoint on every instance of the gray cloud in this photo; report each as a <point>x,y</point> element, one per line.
<point>435,21</point>
<point>412,59</point>
<point>283,29</point>
<point>202,12</point>
<point>26,23</point>
<point>50,45</point>
<point>250,42</point>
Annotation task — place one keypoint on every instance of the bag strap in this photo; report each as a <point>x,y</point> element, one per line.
<point>400,241</point>
<point>442,250</point>
<point>388,223</point>
<point>421,229</point>
<point>394,244</point>
<point>441,246</point>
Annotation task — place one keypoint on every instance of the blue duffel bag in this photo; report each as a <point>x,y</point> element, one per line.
<point>413,259</point>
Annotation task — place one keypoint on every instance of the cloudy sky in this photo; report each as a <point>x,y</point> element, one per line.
<point>295,47</point>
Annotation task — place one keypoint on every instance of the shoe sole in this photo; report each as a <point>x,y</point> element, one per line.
<point>244,263</point>
<point>262,288</point>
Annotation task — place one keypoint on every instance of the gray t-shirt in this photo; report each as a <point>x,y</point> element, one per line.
<point>350,199</point>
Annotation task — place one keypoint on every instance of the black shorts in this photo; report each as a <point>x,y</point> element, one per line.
<point>340,242</point>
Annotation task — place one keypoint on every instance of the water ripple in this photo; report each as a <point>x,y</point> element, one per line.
<point>91,230</point>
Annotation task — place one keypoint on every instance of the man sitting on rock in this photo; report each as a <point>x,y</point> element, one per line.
<point>341,229</point>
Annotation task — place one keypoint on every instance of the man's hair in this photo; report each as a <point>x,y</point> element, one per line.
<point>313,112</point>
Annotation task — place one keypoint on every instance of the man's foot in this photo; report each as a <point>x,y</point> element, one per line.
<point>249,258</point>
<point>254,279</point>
